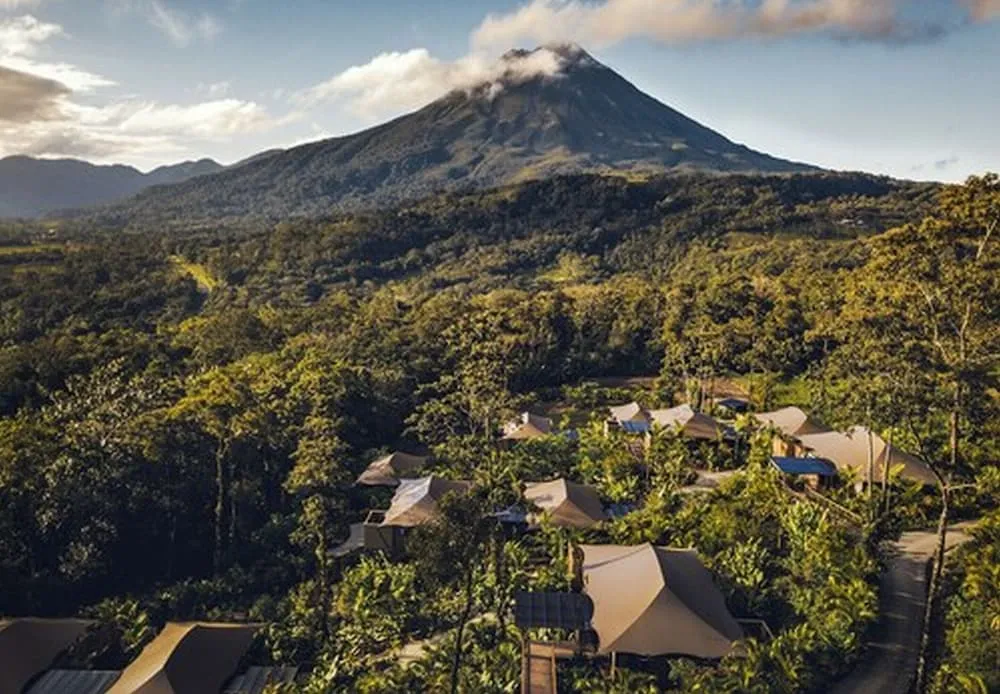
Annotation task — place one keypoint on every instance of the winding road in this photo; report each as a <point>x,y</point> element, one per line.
<point>891,661</point>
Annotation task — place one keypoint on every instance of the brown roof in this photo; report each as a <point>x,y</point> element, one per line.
<point>656,601</point>
<point>569,505</point>
<point>416,501</point>
<point>692,424</point>
<point>387,471</point>
<point>191,658</point>
<point>851,449</point>
<point>29,646</point>
<point>527,426</point>
<point>791,421</point>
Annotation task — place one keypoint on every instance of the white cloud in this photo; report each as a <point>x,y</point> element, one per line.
<point>21,39</point>
<point>214,89</point>
<point>181,27</point>
<point>395,82</point>
<point>18,4</point>
<point>40,116</point>
<point>23,35</point>
<point>675,21</point>
<point>211,119</point>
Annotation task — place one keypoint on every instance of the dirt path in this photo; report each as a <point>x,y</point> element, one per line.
<point>891,661</point>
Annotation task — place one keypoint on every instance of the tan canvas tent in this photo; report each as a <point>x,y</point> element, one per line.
<point>29,646</point>
<point>692,424</point>
<point>851,449</point>
<point>387,471</point>
<point>569,505</point>
<point>791,421</point>
<point>416,501</point>
<point>656,601</point>
<point>632,412</point>
<point>191,658</point>
<point>527,426</point>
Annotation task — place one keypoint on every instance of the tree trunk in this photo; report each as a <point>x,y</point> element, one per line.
<point>323,565</point>
<point>466,612</point>
<point>923,664</point>
<point>231,542</point>
<point>220,507</point>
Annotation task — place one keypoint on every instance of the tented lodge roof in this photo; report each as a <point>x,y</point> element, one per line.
<point>568,504</point>
<point>416,500</point>
<point>29,646</point>
<point>630,412</point>
<point>656,601</point>
<point>693,424</point>
<point>850,449</point>
<point>387,471</point>
<point>189,658</point>
<point>790,421</point>
<point>527,426</point>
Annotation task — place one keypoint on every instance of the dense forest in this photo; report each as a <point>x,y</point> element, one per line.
<point>183,412</point>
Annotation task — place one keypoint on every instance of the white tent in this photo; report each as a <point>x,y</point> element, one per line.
<point>632,412</point>
<point>416,501</point>
<point>852,449</point>
<point>690,423</point>
<point>656,601</point>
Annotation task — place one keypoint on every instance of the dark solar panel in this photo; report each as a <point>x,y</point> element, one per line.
<point>805,466</point>
<point>572,611</point>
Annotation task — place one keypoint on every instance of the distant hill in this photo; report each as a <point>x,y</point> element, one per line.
<point>32,187</point>
<point>587,118</point>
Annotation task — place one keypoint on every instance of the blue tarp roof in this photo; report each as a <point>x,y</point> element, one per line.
<point>636,427</point>
<point>805,466</point>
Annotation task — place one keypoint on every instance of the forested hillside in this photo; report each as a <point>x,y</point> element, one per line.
<point>184,410</point>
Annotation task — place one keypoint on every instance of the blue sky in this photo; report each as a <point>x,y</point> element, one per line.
<point>902,87</point>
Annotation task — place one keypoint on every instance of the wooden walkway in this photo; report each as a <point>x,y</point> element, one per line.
<point>538,666</point>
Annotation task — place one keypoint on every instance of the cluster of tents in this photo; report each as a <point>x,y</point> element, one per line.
<point>184,658</point>
<point>633,418</point>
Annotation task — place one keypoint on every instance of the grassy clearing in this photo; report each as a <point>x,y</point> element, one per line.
<point>31,249</point>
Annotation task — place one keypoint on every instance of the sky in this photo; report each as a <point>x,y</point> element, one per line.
<point>908,88</point>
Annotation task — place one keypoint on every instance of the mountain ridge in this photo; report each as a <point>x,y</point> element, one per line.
<point>32,187</point>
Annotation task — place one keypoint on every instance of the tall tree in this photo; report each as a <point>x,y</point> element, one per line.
<point>926,308</point>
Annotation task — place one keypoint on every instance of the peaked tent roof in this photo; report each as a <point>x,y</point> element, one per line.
<point>190,658</point>
<point>850,450</point>
<point>569,505</point>
<point>656,601</point>
<point>387,471</point>
<point>416,501</point>
<point>527,426</point>
<point>627,413</point>
<point>693,424</point>
<point>791,421</point>
<point>29,646</point>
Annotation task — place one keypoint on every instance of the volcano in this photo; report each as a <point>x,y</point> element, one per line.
<point>583,117</point>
